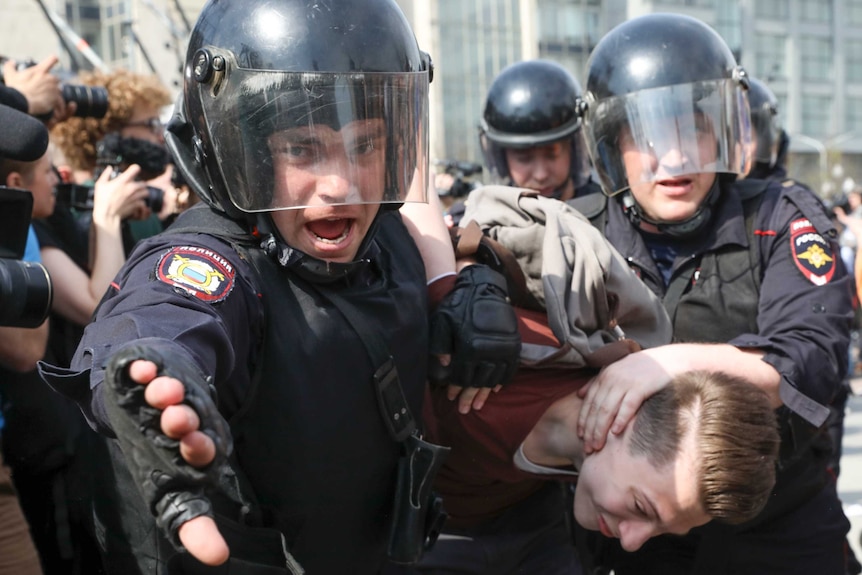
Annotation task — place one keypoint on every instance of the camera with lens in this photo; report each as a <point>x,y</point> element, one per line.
<point>92,101</point>
<point>25,287</point>
<point>116,153</point>
<point>462,173</point>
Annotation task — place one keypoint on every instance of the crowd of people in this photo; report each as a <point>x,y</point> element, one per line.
<point>628,354</point>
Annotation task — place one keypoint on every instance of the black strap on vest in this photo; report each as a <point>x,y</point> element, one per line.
<point>201,217</point>
<point>593,207</point>
<point>393,406</point>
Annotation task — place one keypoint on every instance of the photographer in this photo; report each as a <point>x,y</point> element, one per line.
<point>23,139</point>
<point>46,441</point>
<point>133,113</point>
<point>40,89</point>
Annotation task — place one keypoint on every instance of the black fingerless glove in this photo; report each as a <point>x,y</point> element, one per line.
<point>476,324</point>
<point>174,490</point>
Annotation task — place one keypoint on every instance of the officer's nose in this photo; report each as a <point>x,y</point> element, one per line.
<point>540,170</point>
<point>633,534</point>
<point>336,183</point>
<point>674,159</point>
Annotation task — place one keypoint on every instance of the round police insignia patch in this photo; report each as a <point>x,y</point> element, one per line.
<point>200,272</point>
<point>812,254</point>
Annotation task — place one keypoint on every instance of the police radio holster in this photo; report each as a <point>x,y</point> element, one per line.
<point>417,512</point>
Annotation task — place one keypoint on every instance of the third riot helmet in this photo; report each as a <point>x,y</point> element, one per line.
<point>764,120</point>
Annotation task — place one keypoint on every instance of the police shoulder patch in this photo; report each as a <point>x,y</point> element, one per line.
<point>200,272</point>
<point>811,252</point>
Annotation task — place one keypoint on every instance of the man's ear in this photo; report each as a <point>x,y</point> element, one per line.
<point>15,180</point>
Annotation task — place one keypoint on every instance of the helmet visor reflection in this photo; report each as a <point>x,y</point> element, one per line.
<point>290,140</point>
<point>670,131</point>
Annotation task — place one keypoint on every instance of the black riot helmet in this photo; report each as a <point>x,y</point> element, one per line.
<point>290,82</point>
<point>530,104</point>
<point>764,122</point>
<point>665,85</point>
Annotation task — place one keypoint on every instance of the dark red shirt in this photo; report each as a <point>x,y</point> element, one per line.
<point>479,479</point>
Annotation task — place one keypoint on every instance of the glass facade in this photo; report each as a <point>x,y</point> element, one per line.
<point>772,9</point>
<point>853,12</point>
<point>815,11</point>
<point>816,115</point>
<point>770,57</point>
<point>815,56</point>
<point>477,38</point>
<point>567,32</point>
<point>853,60</point>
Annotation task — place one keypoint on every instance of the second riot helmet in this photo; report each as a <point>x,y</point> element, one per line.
<point>659,83</point>
<point>531,104</point>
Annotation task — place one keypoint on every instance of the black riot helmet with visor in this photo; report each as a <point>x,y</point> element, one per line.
<point>530,104</point>
<point>664,82</point>
<point>764,121</point>
<point>332,88</point>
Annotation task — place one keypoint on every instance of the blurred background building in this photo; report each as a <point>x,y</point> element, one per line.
<point>808,51</point>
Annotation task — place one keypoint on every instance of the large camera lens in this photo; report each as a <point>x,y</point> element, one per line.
<point>155,199</point>
<point>25,293</point>
<point>92,100</point>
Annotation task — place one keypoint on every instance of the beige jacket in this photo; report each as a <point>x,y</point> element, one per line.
<point>589,291</point>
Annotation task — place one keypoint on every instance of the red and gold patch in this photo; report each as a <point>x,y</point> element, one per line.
<point>811,252</point>
<point>200,272</point>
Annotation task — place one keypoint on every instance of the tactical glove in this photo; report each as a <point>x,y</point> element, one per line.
<point>476,324</point>
<point>174,490</point>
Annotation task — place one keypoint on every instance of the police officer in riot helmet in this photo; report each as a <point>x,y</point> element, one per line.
<point>746,269</point>
<point>262,363</point>
<point>656,109</point>
<point>767,133</point>
<point>530,131</point>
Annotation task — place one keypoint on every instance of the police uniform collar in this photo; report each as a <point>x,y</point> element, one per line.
<point>316,270</point>
<point>726,227</point>
<point>691,227</point>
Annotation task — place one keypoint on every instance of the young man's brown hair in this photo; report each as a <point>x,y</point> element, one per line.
<point>736,433</point>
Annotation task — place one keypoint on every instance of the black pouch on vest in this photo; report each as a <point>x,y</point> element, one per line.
<point>418,514</point>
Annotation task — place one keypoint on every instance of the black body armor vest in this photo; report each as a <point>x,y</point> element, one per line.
<point>309,439</point>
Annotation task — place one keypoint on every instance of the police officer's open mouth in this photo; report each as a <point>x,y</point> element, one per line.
<point>332,230</point>
<point>675,182</point>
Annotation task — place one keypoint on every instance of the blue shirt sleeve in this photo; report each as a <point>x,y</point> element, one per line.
<point>31,250</point>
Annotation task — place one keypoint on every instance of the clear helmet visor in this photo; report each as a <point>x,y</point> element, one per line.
<point>667,132</point>
<point>288,140</point>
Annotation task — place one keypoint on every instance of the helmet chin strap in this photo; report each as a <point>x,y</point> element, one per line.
<point>682,229</point>
<point>558,193</point>
<point>307,267</point>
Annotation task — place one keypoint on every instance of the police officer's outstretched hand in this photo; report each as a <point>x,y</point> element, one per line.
<point>475,342</point>
<point>168,451</point>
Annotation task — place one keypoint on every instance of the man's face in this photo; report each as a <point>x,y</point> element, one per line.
<point>331,173</point>
<point>144,124</point>
<point>40,180</point>
<point>543,168</point>
<point>624,496</point>
<point>659,178</point>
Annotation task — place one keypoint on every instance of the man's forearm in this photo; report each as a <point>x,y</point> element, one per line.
<point>21,348</point>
